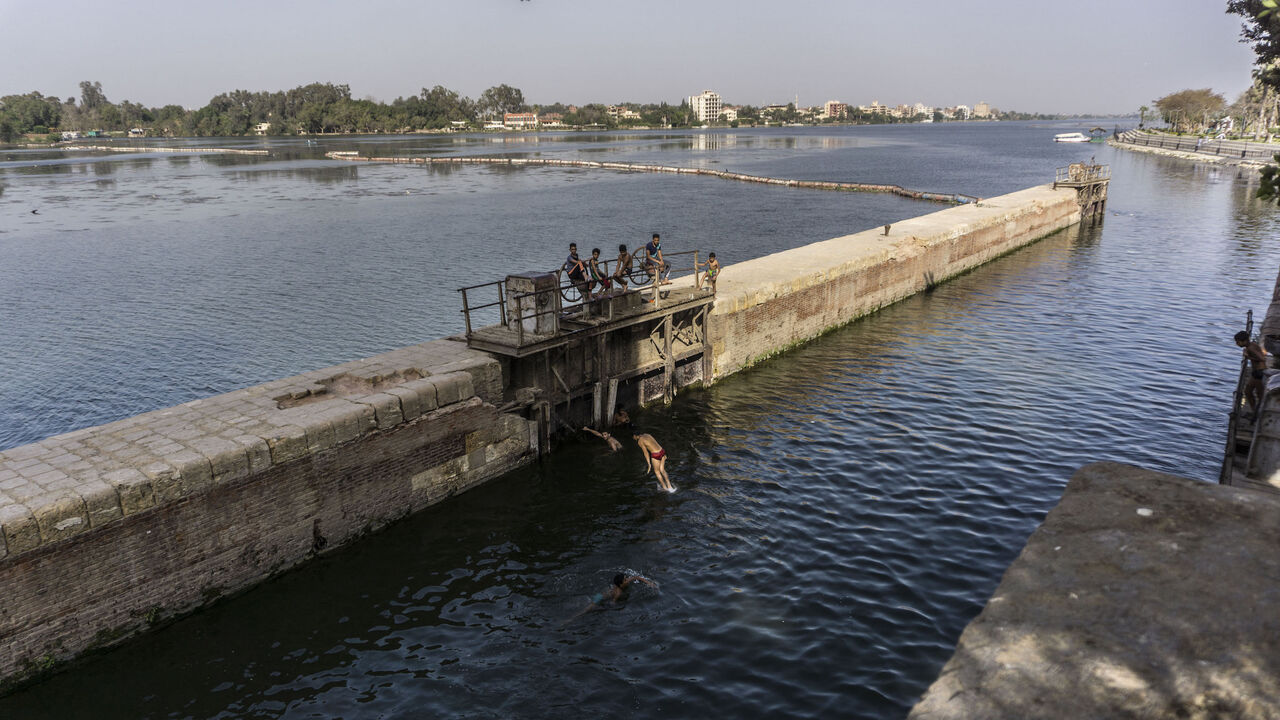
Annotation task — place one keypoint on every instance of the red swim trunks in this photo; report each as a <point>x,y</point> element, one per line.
<point>658,455</point>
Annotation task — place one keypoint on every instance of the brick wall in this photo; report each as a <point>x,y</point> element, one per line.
<point>119,573</point>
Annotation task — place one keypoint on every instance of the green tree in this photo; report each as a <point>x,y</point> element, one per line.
<point>1190,110</point>
<point>1261,29</point>
<point>501,99</point>
<point>91,95</point>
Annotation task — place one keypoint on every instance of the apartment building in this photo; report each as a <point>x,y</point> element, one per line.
<point>707,106</point>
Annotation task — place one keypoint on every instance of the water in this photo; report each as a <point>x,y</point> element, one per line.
<point>844,510</point>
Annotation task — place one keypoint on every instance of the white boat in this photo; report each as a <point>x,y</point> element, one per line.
<point>1071,137</point>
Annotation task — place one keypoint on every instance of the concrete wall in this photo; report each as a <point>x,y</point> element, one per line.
<point>109,530</point>
<point>1142,595</point>
<point>769,304</point>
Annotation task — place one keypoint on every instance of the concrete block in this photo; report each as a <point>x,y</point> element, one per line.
<point>227,460</point>
<point>19,527</point>
<point>452,387</point>
<point>60,516</point>
<point>194,469</point>
<point>347,421</point>
<point>409,406</point>
<point>287,442</point>
<point>426,391</point>
<point>101,502</point>
<point>134,489</point>
<point>166,481</point>
<point>386,409</point>
<point>256,449</point>
<point>23,452</point>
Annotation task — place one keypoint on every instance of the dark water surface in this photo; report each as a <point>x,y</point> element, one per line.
<point>844,510</point>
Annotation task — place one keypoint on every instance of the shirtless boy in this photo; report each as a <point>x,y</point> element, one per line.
<point>1257,358</point>
<point>615,595</point>
<point>598,276</point>
<point>614,445</point>
<point>624,267</point>
<point>655,459</point>
<point>713,270</point>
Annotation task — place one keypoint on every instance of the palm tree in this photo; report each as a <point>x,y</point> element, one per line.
<point>1142,115</point>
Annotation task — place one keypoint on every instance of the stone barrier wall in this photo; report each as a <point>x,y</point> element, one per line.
<point>109,530</point>
<point>769,304</point>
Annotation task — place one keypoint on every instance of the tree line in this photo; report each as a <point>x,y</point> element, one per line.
<point>309,109</point>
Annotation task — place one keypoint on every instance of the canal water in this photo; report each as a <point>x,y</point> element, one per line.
<point>844,509</point>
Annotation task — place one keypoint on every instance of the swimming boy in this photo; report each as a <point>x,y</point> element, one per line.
<point>713,270</point>
<point>1257,358</point>
<point>655,459</point>
<point>614,445</point>
<point>616,594</point>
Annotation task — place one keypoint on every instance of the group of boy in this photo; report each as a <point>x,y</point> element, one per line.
<point>589,274</point>
<point>655,458</point>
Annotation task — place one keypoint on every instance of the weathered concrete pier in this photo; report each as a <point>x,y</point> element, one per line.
<point>110,530</point>
<point>1142,595</point>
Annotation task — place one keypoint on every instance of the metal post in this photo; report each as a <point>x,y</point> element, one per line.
<point>466,312</point>
<point>612,401</point>
<point>669,366</point>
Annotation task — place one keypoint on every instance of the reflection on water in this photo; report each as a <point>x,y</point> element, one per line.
<point>845,509</point>
<point>339,174</point>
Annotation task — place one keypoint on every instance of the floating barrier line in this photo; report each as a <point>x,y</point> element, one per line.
<point>951,198</point>
<point>148,148</point>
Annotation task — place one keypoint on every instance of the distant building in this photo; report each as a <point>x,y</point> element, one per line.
<point>981,110</point>
<point>922,109</point>
<point>835,110</point>
<point>730,114</point>
<point>707,106</point>
<point>457,125</point>
<point>261,128</point>
<point>961,112</point>
<point>620,113</point>
<point>494,125</point>
<point>519,121</point>
<point>875,108</point>
<point>551,120</point>
<point>137,132</point>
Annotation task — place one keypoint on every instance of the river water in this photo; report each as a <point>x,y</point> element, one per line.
<point>845,509</point>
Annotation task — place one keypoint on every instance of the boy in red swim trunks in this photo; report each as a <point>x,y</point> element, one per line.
<point>655,459</point>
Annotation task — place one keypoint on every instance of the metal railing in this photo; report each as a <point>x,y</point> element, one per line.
<point>1083,173</point>
<point>1238,149</point>
<point>1233,419</point>
<point>639,274</point>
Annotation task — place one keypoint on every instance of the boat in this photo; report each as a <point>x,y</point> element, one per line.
<point>1071,137</point>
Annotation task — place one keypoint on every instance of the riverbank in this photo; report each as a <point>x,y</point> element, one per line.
<point>1141,595</point>
<point>112,530</point>
<point>1217,152</point>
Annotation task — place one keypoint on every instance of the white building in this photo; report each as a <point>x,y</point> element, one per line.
<point>707,106</point>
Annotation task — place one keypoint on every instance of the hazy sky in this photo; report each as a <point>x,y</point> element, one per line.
<point>1103,56</point>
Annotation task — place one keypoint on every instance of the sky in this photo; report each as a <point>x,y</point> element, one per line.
<point>1075,56</point>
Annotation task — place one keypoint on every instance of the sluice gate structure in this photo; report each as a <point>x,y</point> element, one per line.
<point>109,531</point>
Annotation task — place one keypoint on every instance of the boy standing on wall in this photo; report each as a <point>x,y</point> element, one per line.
<point>713,270</point>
